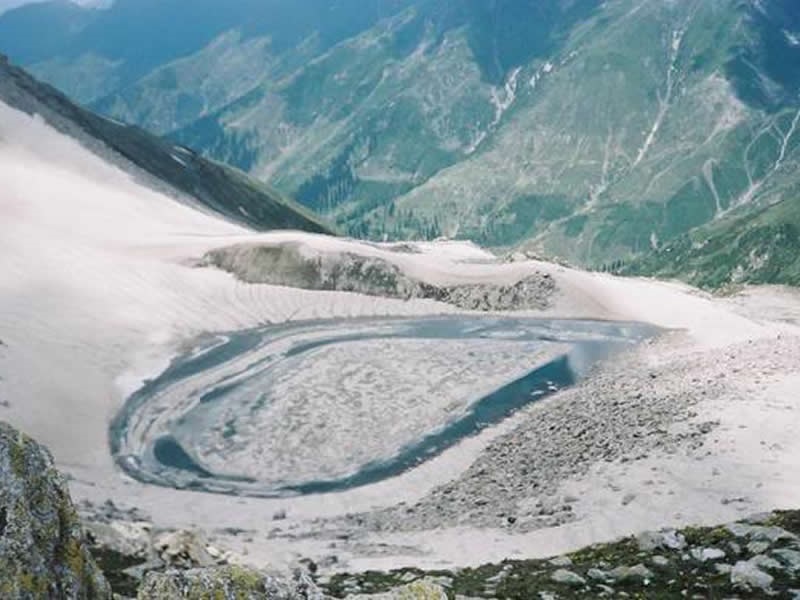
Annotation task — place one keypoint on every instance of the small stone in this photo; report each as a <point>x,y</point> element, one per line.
<point>791,558</point>
<point>759,533</point>
<point>597,574</point>
<point>628,498</point>
<point>567,578</point>
<point>765,562</point>
<point>660,561</point>
<point>722,568</point>
<point>635,573</point>
<point>655,540</point>
<point>706,554</point>
<point>561,561</point>
<point>747,576</point>
<point>757,547</point>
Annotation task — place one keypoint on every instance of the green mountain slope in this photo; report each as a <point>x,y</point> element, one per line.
<point>633,135</point>
<point>215,186</point>
<point>760,247</point>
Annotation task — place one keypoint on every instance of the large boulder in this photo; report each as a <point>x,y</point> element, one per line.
<point>227,583</point>
<point>42,550</point>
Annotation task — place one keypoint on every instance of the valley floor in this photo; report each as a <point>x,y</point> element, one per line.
<point>694,427</point>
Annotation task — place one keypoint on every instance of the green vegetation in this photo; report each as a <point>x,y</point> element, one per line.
<point>758,248</point>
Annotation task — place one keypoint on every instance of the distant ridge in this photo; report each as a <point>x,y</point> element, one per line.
<point>222,189</point>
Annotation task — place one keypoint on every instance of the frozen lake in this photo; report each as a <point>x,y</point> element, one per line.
<point>312,407</point>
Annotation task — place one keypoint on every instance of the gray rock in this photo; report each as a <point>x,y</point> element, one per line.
<point>790,558</point>
<point>561,561</point>
<point>43,553</point>
<point>635,573</point>
<point>658,540</point>
<point>765,563</point>
<point>227,583</point>
<point>758,547</point>
<point>660,561</point>
<point>128,539</point>
<point>184,549</point>
<point>597,574</point>
<point>760,533</point>
<point>706,554</point>
<point>567,578</point>
<point>723,568</point>
<point>747,576</point>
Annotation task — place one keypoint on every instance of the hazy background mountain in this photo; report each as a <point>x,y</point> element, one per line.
<point>9,4</point>
<point>602,132</point>
<point>157,163</point>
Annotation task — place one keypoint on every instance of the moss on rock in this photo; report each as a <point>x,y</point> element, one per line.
<point>42,551</point>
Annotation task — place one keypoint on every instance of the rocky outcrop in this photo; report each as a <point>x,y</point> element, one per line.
<point>755,558</point>
<point>42,550</point>
<point>227,583</point>
<point>290,264</point>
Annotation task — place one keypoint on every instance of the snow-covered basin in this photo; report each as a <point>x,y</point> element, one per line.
<point>321,406</point>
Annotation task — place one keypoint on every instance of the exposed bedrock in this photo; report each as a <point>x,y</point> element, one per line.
<point>286,264</point>
<point>42,550</point>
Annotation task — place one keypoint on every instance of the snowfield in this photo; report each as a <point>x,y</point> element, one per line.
<point>99,291</point>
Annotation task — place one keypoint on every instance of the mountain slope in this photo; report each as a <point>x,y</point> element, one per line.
<point>635,134</point>
<point>757,248</point>
<point>594,131</point>
<point>215,186</point>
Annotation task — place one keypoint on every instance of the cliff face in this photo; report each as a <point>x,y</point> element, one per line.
<point>42,551</point>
